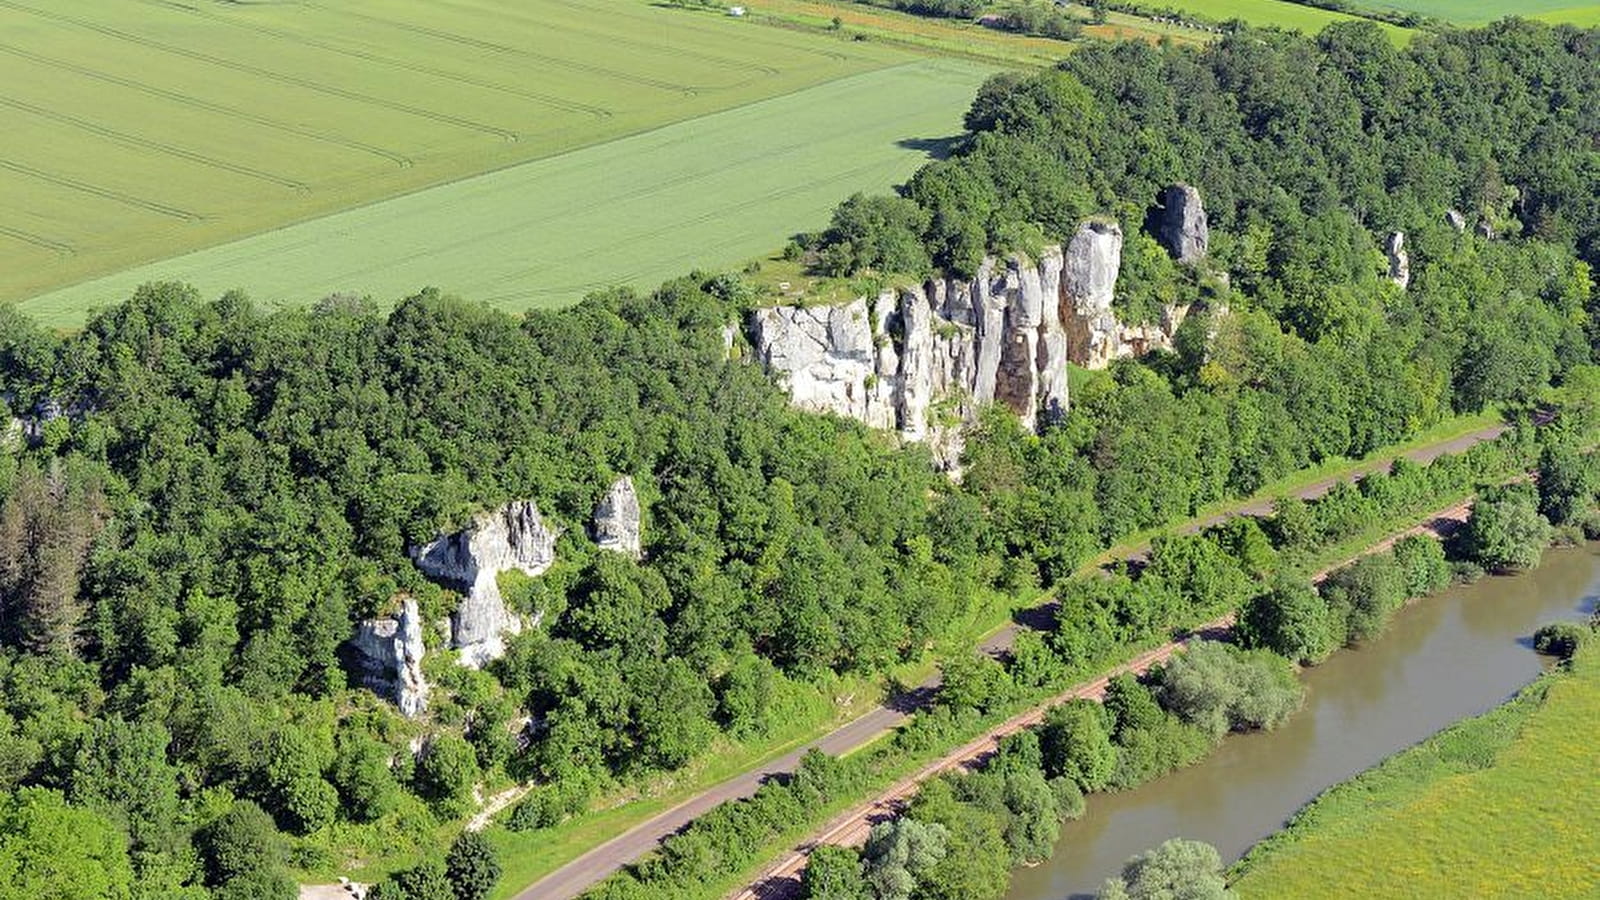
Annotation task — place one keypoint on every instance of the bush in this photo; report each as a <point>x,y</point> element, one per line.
<point>1176,870</point>
<point>1075,743</point>
<point>1561,639</point>
<point>1506,532</point>
<point>1293,621</point>
<point>1366,594</point>
<point>446,773</point>
<point>241,842</point>
<point>1219,687</point>
<point>471,866</point>
<point>1422,565</point>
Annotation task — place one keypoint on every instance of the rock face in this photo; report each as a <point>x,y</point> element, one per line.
<point>1399,260</point>
<point>616,519</point>
<point>390,653</point>
<point>1184,229</point>
<point>1455,219</point>
<point>924,360</point>
<point>512,537</point>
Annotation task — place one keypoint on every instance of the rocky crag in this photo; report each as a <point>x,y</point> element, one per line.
<point>389,653</point>
<point>513,537</point>
<point>616,520</point>
<point>922,360</point>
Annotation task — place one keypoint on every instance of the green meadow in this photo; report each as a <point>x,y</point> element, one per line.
<point>1502,805</point>
<point>713,191</point>
<point>1476,12</point>
<point>137,130</point>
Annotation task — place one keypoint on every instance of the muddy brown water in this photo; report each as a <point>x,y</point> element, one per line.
<point>1445,658</point>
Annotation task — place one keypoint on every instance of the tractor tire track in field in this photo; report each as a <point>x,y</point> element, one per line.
<point>294,37</point>
<point>621,41</point>
<point>452,37</point>
<point>60,248</point>
<point>398,159</point>
<point>106,193</point>
<point>148,144</point>
<point>677,225</point>
<point>268,74</point>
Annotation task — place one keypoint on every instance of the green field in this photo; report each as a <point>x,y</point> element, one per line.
<point>1504,805</point>
<point>1476,12</point>
<point>712,191</point>
<point>140,129</point>
<point>1279,13</point>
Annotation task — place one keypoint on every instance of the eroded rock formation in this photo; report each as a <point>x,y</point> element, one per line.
<point>389,650</point>
<point>1399,261</point>
<point>616,519</point>
<point>1184,228</point>
<point>470,561</point>
<point>922,360</point>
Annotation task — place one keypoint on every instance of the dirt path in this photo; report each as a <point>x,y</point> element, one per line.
<point>579,875</point>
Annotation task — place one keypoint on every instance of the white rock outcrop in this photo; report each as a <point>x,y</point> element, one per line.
<point>1456,220</point>
<point>515,537</point>
<point>1399,260</point>
<point>389,650</point>
<point>616,519</point>
<point>1185,230</point>
<point>923,360</point>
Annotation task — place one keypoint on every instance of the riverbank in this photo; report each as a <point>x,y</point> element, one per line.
<point>1503,804</point>
<point>850,829</point>
<point>567,869</point>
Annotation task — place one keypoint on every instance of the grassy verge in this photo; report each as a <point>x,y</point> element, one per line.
<point>1498,805</point>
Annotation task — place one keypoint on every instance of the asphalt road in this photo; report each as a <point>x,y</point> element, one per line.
<point>577,876</point>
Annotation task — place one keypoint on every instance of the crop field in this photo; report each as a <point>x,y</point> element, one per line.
<point>713,191</point>
<point>1476,12</point>
<point>1279,13</point>
<point>1503,805</point>
<point>135,130</point>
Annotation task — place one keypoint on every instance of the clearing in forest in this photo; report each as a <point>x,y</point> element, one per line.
<point>713,191</point>
<point>140,129</point>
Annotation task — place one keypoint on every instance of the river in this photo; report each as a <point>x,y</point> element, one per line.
<point>1445,658</point>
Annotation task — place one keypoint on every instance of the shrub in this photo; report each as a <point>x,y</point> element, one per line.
<point>1561,639</point>
<point>1176,870</point>
<point>240,842</point>
<point>1506,532</point>
<point>1293,621</point>
<point>1218,688</point>
<point>471,866</point>
<point>1422,564</point>
<point>1076,743</point>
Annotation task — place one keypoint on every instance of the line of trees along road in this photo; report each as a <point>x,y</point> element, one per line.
<point>202,497</point>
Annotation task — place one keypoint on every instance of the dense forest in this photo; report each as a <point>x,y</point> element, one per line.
<point>199,499</point>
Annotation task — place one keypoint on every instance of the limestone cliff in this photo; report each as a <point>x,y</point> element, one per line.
<point>1399,261</point>
<point>389,650</point>
<point>470,561</point>
<point>1185,229</point>
<point>616,519</point>
<point>924,359</point>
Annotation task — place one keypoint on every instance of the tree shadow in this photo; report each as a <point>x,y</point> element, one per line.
<point>935,148</point>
